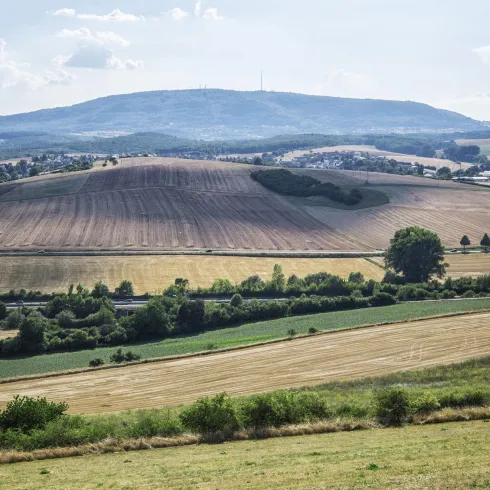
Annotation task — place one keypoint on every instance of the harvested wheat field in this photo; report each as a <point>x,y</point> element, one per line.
<point>470,265</point>
<point>172,204</point>
<point>302,362</point>
<point>152,274</point>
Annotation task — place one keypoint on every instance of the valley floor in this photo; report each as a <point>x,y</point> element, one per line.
<point>449,456</point>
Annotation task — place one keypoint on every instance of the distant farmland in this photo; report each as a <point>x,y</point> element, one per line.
<point>153,274</point>
<point>400,157</point>
<point>171,204</point>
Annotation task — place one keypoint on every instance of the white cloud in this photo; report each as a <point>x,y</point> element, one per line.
<point>14,74</point>
<point>178,14</point>
<point>114,16</point>
<point>85,34</point>
<point>483,53</point>
<point>113,37</point>
<point>66,13</point>
<point>212,14</point>
<point>198,8</point>
<point>98,57</point>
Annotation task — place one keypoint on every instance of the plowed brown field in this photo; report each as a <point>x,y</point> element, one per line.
<point>301,362</point>
<point>152,274</point>
<point>176,204</point>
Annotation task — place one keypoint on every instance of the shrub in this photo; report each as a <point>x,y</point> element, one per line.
<point>469,294</point>
<point>391,406</point>
<point>25,413</point>
<point>312,330</point>
<point>292,332</point>
<point>212,417</point>
<point>283,408</point>
<point>382,299</point>
<point>236,301</point>
<point>119,357</point>
<point>426,404</point>
<point>472,398</point>
<point>96,362</point>
<point>154,424</point>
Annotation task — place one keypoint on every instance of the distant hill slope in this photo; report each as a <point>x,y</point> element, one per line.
<point>213,114</point>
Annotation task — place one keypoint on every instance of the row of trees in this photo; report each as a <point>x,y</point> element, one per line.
<point>484,242</point>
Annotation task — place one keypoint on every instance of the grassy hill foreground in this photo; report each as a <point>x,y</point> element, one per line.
<point>452,456</point>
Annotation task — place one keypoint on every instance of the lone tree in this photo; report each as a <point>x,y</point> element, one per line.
<point>465,242</point>
<point>417,253</point>
<point>485,242</point>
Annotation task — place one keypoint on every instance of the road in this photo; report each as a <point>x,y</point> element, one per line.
<point>133,304</point>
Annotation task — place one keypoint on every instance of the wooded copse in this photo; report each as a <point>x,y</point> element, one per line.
<point>285,182</point>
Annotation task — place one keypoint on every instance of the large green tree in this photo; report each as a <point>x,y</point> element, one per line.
<point>416,253</point>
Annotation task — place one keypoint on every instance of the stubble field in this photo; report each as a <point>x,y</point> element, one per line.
<point>171,204</point>
<point>153,274</point>
<point>306,361</point>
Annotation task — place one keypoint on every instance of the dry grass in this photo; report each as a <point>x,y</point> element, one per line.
<point>171,204</point>
<point>154,273</point>
<point>417,457</point>
<point>470,265</point>
<point>302,362</point>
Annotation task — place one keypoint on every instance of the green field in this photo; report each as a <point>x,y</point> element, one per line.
<point>243,335</point>
<point>453,456</point>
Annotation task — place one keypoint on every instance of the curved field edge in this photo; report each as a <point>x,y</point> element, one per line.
<point>248,335</point>
<point>344,355</point>
<point>424,456</point>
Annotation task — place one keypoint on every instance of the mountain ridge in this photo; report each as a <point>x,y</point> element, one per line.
<point>217,113</point>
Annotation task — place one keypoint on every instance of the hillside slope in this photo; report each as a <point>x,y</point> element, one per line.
<point>211,114</point>
<point>173,204</point>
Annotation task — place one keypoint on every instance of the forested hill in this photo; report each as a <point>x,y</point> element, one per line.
<point>214,114</point>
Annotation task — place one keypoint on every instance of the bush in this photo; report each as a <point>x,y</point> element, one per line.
<point>236,301</point>
<point>382,299</point>
<point>391,406</point>
<point>119,357</point>
<point>25,414</point>
<point>469,294</point>
<point>96,362</point>
<point>312,330</point>
<point>426,404</point>
<point>212,417</point>
<point>472,398</point>
<point>154,424</point>
<point>292,332</point>
<point>283,408</point>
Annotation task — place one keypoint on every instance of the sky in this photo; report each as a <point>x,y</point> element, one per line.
<point>61,52</point>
